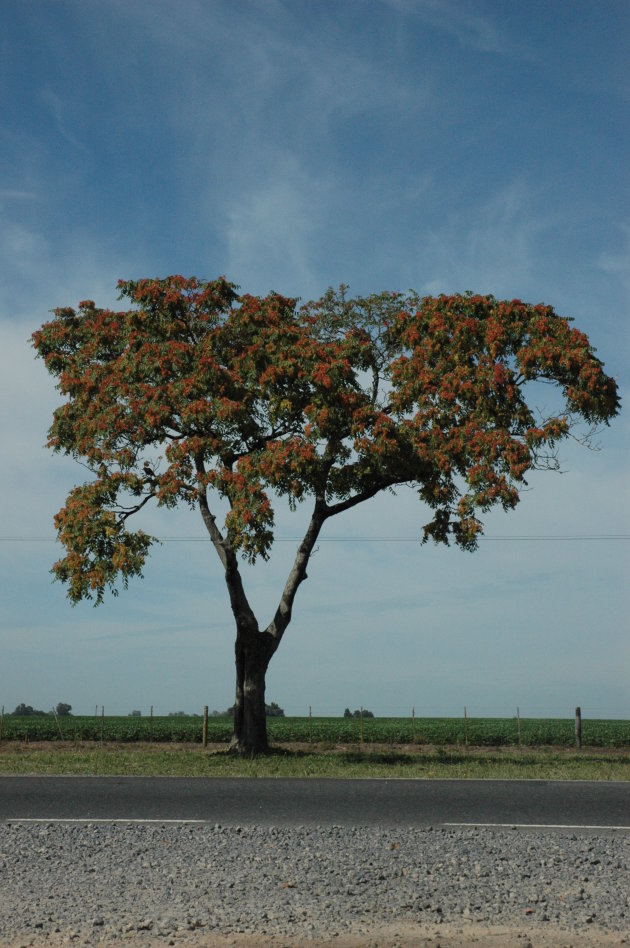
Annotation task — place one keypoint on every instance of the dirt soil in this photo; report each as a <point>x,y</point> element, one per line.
<point>391,936</point>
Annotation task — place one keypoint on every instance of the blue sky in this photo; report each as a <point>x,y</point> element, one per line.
<point>436,144</point>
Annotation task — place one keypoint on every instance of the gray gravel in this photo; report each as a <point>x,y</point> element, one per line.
<point>90,883</point>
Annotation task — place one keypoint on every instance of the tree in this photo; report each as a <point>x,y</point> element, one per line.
<point>196,393</point>
<point>63,710</point>
<point>28,711</point>
<point>274,710</point>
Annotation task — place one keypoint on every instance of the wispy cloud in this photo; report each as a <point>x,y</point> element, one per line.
<point>618,263</point>
<point>59,110</point>
<point>494,248</point>
<point>275,226</point>
<point>466,23</point>
<point>14,194</point>
<point>384,143</point>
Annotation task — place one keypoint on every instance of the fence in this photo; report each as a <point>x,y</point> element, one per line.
<point>203,728</point>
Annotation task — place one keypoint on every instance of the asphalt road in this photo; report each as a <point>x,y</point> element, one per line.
<point>291,802</point>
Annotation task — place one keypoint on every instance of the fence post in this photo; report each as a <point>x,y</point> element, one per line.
<point>361,725</point>
<point>310,725</point>
<point>1,721</point>
<point>102,723</point>
<point>578,728</point>
<point>413,725</point>
<point>204,740</point>
<point>518,720</point>
<point>465,728</point>
<point>151,727</point>
<point>54,711</point>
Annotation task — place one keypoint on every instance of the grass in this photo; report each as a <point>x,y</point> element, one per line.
<point>349,761</point>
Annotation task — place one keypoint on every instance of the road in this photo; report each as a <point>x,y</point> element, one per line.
<point>291,802</point>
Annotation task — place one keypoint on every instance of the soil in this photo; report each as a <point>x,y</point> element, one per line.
<point>391,936</point>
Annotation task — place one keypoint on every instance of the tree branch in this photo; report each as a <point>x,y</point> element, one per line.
<point>297,575</point>
<point>375,383</point>
<point>126,512</point>
<point>241,609</point>
<point>331,511</point>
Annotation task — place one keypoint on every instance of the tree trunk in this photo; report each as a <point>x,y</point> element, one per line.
<point>253,653</point>
<point>253,648</point>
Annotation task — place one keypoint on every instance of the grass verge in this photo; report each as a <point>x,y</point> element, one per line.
<point>346,761</point>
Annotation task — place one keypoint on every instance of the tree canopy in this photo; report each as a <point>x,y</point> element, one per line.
<point>196,392</point>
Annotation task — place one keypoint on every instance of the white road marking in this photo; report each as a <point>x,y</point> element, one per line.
<point>88,819</point>
<point>568,826</point>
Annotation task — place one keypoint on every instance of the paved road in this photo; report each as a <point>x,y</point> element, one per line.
<point>290,802</point>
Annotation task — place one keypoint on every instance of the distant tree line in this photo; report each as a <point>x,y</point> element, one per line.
<point>357,714</point>
<point>272,710</point>
<point>28,711</point>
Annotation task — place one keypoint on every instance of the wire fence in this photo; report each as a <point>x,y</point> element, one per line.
<point>496,711</point>
<point>353,727</point>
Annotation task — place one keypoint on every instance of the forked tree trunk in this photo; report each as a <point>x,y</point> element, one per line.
<point>250,721</point>
<point>253,648</point>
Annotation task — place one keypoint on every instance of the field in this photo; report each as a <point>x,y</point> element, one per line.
<point>439,732</point>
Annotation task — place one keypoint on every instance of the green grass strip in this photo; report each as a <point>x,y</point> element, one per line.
<point>194,762</point>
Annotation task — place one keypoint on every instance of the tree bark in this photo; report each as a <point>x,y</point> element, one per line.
<point>252,652</point>
<point>253,648</point>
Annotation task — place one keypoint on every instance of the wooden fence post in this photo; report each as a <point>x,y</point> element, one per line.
<point>102,723</point>
<point>54,711</point>
<point>361,725</point>
<point>578,728</point>
<point>204,741</point>
<point>151,727</point>
<point>310,725</point>
<point>1,721</point>
<point>465,728</point>
<point>413,724</point>
<point>518,721</point>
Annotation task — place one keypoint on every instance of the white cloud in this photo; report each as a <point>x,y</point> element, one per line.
<point>493,248</point>
<point>273,230</point>
<point>40,271</point>
<point>466,23</point>
<point>14,194</point>
<point>59,110</point>
<point>618,263</point>
<point>38,275</point>
<point>296,145</point>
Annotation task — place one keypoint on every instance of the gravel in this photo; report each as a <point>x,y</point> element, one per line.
<point>170,884</point>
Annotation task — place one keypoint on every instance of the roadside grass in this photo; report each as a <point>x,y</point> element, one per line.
<point>335,762</point>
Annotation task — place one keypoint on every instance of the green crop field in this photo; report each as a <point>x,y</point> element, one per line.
<point>479,732</point>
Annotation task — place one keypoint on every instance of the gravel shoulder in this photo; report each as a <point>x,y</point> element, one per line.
<point>96,884</point>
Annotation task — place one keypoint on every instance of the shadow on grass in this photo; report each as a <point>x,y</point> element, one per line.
<point>445,758</point>
<point>515,761</point>
<point>385,758</point>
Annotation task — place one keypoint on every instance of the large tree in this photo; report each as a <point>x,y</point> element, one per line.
<point>197,393</point>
